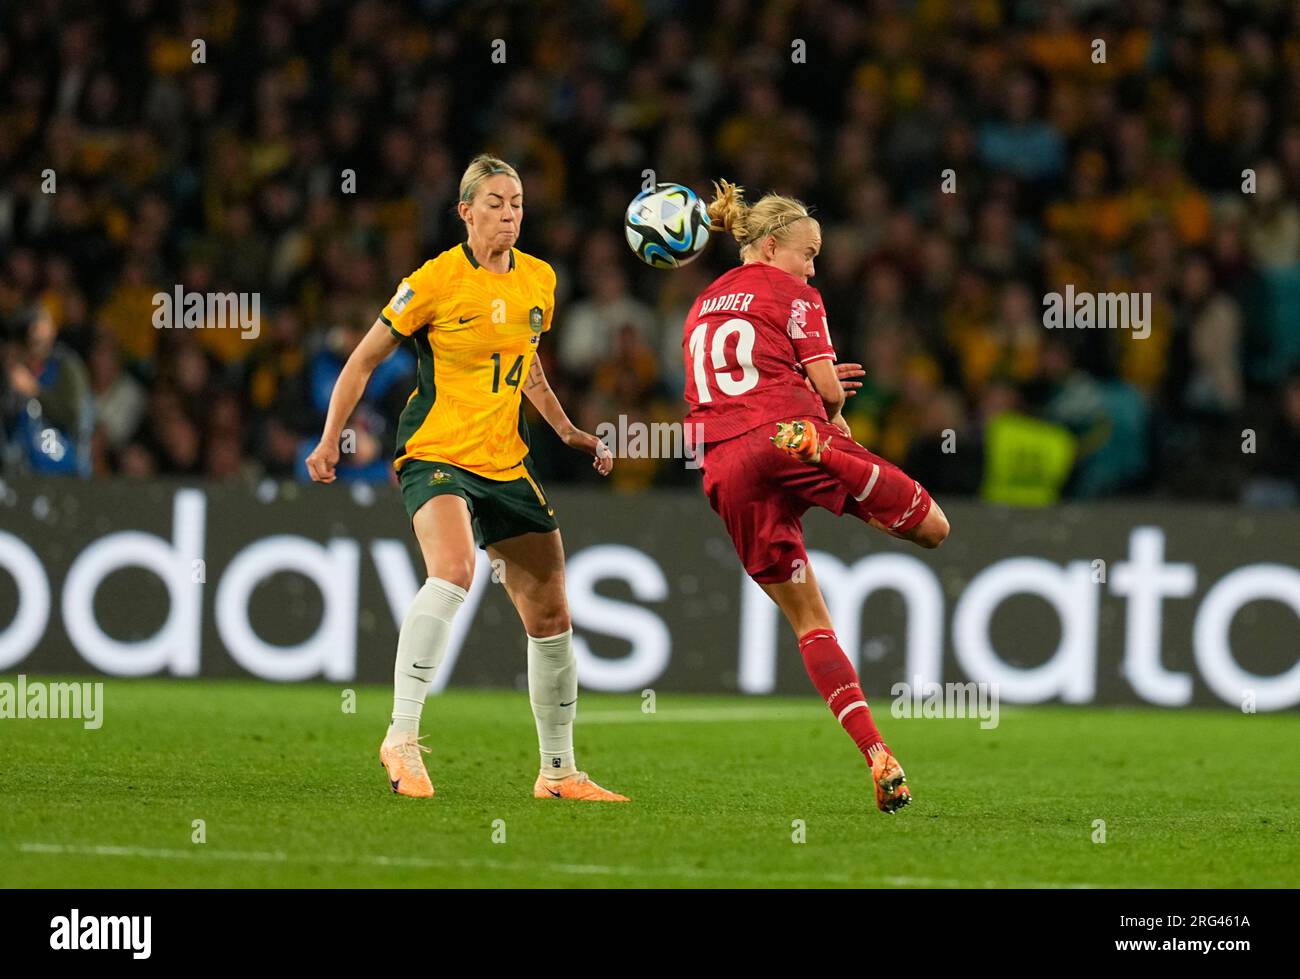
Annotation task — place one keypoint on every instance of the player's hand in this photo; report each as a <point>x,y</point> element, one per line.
<point>602,459</point>
<point>847,375</point>
<point>321,462</point>
<point>839,422</point>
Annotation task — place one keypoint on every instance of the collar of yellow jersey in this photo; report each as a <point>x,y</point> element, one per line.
<point>464,246</point>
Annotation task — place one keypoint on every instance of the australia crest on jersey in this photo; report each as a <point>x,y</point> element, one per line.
<point>535,319</point>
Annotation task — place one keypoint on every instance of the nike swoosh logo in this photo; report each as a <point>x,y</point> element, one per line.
<point>466,319</point>
<point>553,792</point>
<point>423,666</point>
<point>570,703</point>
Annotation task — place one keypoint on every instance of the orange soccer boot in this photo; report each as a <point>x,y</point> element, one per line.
<point>576,786</point>
<point>892,793</point>
<point>406,772</point>
<point>799,439</point>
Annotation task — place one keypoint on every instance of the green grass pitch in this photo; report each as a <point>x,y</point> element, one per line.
<point>291,793</point>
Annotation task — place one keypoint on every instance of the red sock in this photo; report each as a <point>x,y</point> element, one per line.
<point>858,475</point>
<point>835,679</point>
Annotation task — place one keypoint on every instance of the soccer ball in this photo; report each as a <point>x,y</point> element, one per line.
<point>667,227</point>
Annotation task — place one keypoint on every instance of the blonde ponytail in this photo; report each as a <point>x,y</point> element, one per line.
<point>750,224</point>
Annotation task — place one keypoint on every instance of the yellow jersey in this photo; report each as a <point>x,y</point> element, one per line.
<point>475,334</point>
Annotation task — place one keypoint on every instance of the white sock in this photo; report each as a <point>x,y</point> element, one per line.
<point>553,691</point>
<point>420,648</point>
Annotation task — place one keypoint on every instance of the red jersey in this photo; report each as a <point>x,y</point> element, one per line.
<point>746,340</point>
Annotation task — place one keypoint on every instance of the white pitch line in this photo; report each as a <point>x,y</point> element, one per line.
<point>254,856</point>
<point>634,715</point>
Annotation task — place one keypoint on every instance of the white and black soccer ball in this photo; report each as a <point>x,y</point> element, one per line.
<point>667,227</point>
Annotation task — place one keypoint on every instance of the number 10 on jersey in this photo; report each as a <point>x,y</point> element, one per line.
<point>723,369</point>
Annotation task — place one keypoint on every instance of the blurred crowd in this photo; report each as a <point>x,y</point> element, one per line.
<point>965,158</point>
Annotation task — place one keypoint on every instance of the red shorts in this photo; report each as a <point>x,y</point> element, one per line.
<point>761,493</point>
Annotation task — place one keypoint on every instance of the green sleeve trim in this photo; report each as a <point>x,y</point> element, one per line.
<point>392,329</point>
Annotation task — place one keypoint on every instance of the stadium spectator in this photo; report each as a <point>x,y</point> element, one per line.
<point>592,326</point>
<point>974,158</point>
<point>120,401</point>
<point>49,413</point>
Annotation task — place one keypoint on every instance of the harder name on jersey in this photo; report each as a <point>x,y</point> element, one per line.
<point>726,304</point>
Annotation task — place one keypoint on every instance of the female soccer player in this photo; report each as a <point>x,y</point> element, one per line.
<point>763,387</point>
<point>476,314</point>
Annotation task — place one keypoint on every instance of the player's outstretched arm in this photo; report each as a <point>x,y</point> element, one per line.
<point>374,347</point>
<point>539,392</point>
<point>826,382</point>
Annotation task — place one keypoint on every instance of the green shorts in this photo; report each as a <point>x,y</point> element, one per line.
<point>498,509</point>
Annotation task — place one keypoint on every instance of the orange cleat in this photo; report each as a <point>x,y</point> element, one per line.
<point>799,439</point>
<point>577,786</point>
<point>892,793</point>
<point>406,771</point>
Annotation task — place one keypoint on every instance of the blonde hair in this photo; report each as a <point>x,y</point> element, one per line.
<point>480,168</point>
<point>749,224</point>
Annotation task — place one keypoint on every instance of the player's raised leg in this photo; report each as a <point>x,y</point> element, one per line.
<point>881,493</point>
<point>532,571</point>
<point>835,679</point>
<point>442,526</point>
